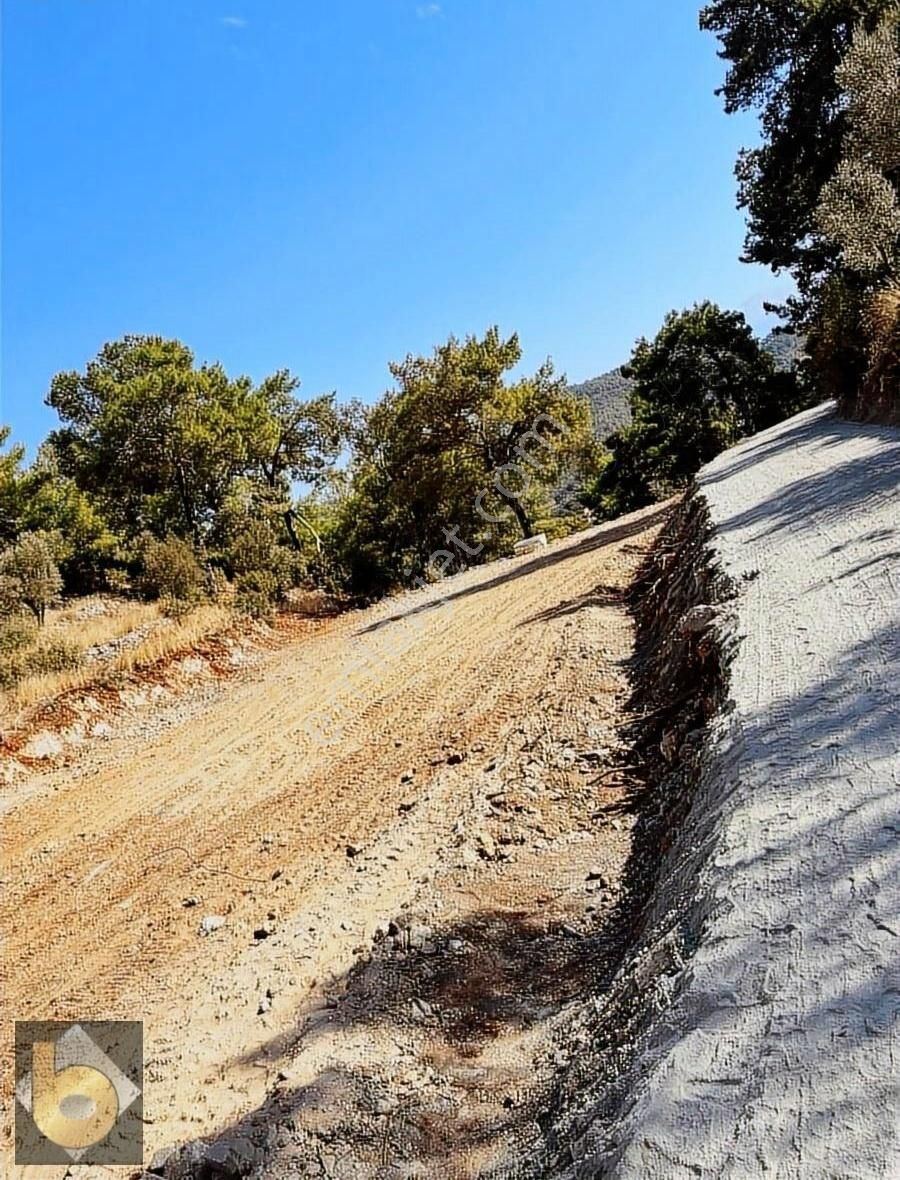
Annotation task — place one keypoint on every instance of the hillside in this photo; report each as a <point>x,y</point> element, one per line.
<point>608,393</point>
<point>786,347</point>
<point>372,857</point>
<point>397,895</point>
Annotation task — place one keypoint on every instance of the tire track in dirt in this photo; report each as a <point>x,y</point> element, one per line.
<point>98,864</point>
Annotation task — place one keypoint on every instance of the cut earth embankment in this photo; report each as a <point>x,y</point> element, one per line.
<point>752,1028</point>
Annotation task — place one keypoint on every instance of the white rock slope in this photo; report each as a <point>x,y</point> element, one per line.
<point>781,1053</point>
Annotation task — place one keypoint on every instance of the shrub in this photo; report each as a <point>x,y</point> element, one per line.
<point>880,393</point>
<point>176,608</point>
<point>116,580</point>
<point>836,342</point>
<point>10,595</point>
<point>17,631</point>
<point>29,575</point>
<point>17,661</point>
<point>557,527</point>
<point>257,593</point>
<point>255,546</point>
<point>12,669</point>
<point>56,655</point>
<point>171,572</point>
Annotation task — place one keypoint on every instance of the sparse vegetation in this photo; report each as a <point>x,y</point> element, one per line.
<point>171,572</point>
<point>40,665</point>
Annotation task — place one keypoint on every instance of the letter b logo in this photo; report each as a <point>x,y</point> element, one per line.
<point>75,1107</point>
<point>78,1093</point>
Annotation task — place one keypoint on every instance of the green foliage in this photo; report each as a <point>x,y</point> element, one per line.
<point>19,659</point>
<point>257,592</point>
<point>252,538</point>
<point>21,654</point>
<point>53,655</point>
<point>821,189</point>
<point>171,572</point>
<point>880,392</point>
<point>836,342</point>
<point>557,527</point>
<point>859,207</point>
<point>783,57</point>
<point>703,383</point>
<point>53,503</point>
<point>17,630</point>
<point>10,487</point>
<point>29,574</point>
<point>859,211</point>
<point>13,669</point>
<point>299,443</point>
<point>159,442</point>
<point>155,438</point>
<point>116,580</point>
<point>454,462</point>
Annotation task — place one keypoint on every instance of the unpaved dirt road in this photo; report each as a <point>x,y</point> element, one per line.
<point>444,761</point>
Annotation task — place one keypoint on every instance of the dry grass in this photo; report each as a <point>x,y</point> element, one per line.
<point>73,621</point>
<point>170,637</point>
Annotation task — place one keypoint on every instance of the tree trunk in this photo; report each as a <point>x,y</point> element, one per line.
<point>187,504</point>
<point>289,518</point>
<point>521,516</point>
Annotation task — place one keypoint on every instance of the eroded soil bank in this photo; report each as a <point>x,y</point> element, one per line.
<point>751,1029</point>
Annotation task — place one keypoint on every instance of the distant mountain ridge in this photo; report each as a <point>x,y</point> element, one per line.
<point>608,393</point>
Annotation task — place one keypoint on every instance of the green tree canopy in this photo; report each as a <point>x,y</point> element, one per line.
<point>299,443</point>
<point>783,60</point>
<point>159,443</point>
<point>457,451</point>
<point>859,207</point>
<point>10,486</point>
<point>156,438</point>
<point>702,383</point>
<point>29,575</point>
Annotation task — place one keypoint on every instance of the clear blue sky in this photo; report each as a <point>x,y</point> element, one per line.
<point>326,185</point>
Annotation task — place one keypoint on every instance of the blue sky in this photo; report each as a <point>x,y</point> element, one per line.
<point>326,185</point>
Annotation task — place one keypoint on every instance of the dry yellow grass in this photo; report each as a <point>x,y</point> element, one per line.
<point>169,637</point>
<point>72,621</point>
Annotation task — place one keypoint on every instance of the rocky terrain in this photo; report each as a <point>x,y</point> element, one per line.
<point>349,891</point>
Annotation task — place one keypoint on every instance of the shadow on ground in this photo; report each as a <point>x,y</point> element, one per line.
<point>459,987</point>
<point>597,539</point>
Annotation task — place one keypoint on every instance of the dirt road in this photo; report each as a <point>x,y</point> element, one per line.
<point>444,761</point>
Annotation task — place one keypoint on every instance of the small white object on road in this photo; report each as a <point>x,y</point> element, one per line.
<point>530,544</point>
